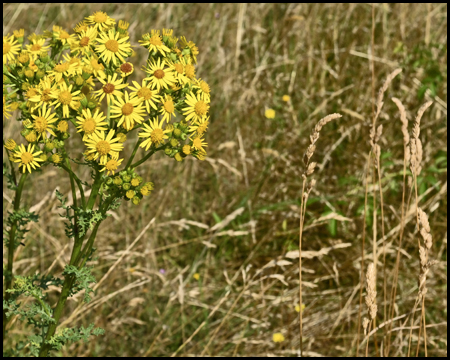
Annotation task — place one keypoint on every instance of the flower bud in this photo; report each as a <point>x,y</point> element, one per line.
<point>168,151</point>
<point>118,181</point>
<point>29,74</point>
<point>49,146</point>
<point>177,133</point>
<point>178,157</point>
<point>130,194</point>
<point>126,178</point>
<point>174,142</point>
<point>136,200</point>
<point>127,186</point>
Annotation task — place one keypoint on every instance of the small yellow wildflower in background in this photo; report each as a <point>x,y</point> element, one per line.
<point>278,337</point>
<point>297,307</point>
<point>196,276</point>
<point>286,98</point>
<point>270,113</point>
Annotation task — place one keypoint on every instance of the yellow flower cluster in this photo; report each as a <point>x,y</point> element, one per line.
<point>61,81</point>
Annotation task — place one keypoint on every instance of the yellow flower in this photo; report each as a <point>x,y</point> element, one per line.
<point>198,143</point>
<point>286,98</point>
<point>278,337</point>
<point>6,109</point>
<point>193,49</point>
<point>159,77</point>
<point>86,40</point>
<point>45,89</point>
<point>187,149</point>
<point>43,122</point>
<point>145,94</point>
<point>204,90</point>
<point>126,69</point>
<point>196,110</point>
<point>196,276</point>
<point>200,127</point>
<point>27,158</point>
<point>130,194</point>
<point>100,20</point>
<point>64,36</point>
<point>135,182</point>
<point>10,144</point>
<point>110,88</point>
<point>111,47</point>
<point>62,69</point>
<point>189,70</point>
<point>56,158</point>
<point>63,126</point>
<point>154,134</point>
<point>10,48</point>
<point>154,43</point>
<point>95,67</point>
<point>128,110</point>
<point>90,124</point>
<point>179,71</point>
<point>31,137</point>
<point>111,166</point>
<point>65,98</point>
<point>167,108</point>
<point>102,146</point>
<point>270,113</point>
<point>297,307</point>
<point>81,26</point>
<point>36,47</point>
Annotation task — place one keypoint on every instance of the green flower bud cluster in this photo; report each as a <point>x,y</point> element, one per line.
<point>129,185</point>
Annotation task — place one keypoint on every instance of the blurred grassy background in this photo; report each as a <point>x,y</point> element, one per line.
<point>252,55</point>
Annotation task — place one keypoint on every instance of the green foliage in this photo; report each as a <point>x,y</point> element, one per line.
<point>83,278</point>
<point>86,218</point>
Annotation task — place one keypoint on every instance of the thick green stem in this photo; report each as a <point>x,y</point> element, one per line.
<point>94,192</point>
<point>12,236</point>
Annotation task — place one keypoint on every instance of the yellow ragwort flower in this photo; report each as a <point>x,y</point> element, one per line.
<point>167,108</point>
<point>145,94</point>
<point>128,110</point>
<point>90,124</point>
<point>154,43</point>
<point>197,108</point>
<point>111,166</point>
<point>154,134</point>
<point>160,77</point>
<point>43,122</point>
<point>111,47</point>
<point>110,89</point>
<point>65,97</point>
<point>10,48</point>
<point>27,158</point>
<point>102,146</point>
<point>100,20</point>
<point>286,98</point>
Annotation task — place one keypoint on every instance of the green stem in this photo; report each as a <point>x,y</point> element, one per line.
<point>12,235</point>
<point>94,192</point>
<point>147,156</point>
<point>78,181</point>
<point>75,206</point>
<point>133,154</point>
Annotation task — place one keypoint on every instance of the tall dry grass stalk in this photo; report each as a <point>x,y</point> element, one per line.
<point>374,154</point>
<point>371,299</point>
<point>406,158</point>
<point>306,190</point>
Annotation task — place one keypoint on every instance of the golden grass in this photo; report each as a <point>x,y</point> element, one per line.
<point>234,218</point>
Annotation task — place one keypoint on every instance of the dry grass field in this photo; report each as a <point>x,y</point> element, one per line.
<point>207,265</point>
